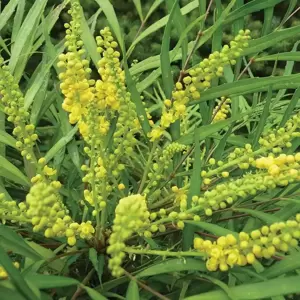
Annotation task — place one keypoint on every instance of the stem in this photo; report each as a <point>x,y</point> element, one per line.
<point>84,282</point>
<point>144,178</point>
<point>164,253</point>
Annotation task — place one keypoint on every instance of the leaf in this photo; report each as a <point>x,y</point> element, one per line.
<point>213,228</point>
<point>250,7</point>
<point>196,181</point>
<point>288,56</point>
<point>7,139</point>
<point>18,20</point>
<point>133,291</point>
<point>266,218</point>
<point>112,19</point>
<point>93,256</point>
<point>51,281</point>
<point>89,40</point>
<point>94,295</point>
<point>263,118</point>
<point>40,78</point>
<point>248,86</point>
<point>7,12</point>
<point>25,34</point>
<point>271,39</point>
<point>138,7</point>
<point>260,290</point>
<point>165,62</point>
<point>61,143</point>
<point>209,130</point>
<point>12,241</point>
<point>9,171</point>
<point>288,264</point>
<point>290,108</point>
<point>15,276</point>
<point>173,265</point>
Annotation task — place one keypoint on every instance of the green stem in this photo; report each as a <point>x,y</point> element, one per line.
<point>144,178</point>
<point>164,253</point>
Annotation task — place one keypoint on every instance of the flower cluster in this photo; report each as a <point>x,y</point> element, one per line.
<point>228,251</point>
<point>131,215</point>
<point>221,111</point>
<point>13,101</point>
<point>162,160</point>
<point>199,79</point>
<point>11,211</point>
<point>76,85</point>
<point>272,141</point>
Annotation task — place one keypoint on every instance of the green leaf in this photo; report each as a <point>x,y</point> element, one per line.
<point>266,218</point>
<point>271,39</point>
<point>260,290</point>
<point>112,19</point>
<point>7,12</point>
<point>89,40</point>
<point>139,9</point>
<point>51,281</point>
<point>213,228</point>
<point>26,34</point>
<point>12,241</point>
<point>9,171</point>
<point>287,56</point>
<point>250,7</point>
<point>61,143</point>
<point>290,108</point>
<point>165,62</point>
<point>209,130</point>
<point>7,139</point>
<point>18,20</point>
<point>133,291</point>
<point>248,86</point>
<point>15,276</point>
<point>93,256</point>
<point>173,265</point>
<point>196,181</point>
<point>94,295</point>
<point>288,264</point>
<point>263,118</point>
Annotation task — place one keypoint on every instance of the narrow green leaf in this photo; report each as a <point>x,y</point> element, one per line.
<point>173,265</point>
<point>12,241</point>
<point>112,19</point>
<point>139,9</point>
<point>266,218</point>
<point>7,12</point>
<point>286,56</point>
<point>196,181</point>
<point>11,172</point>
<point>213,228</point>
<point>250,7</point>
<point>61,143</point>
<point>165,62</point>
<point>290,108</point>
<point>262,121</point>
<point>26,34</point>
<point>250,85</point>
<point>271,39</point>
<point>288,264</point>
<point>132,291</point>
<point>261,290</point>
<point>51,281</point>
<point>7,139</point>
<point>89,40</point>
<point>94,295</point>
<point>18,20</point>
<point>15,276</point>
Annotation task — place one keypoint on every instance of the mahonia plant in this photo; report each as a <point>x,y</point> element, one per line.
<point>115,209</point>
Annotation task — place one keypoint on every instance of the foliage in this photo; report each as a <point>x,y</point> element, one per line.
<point>128,179</point>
